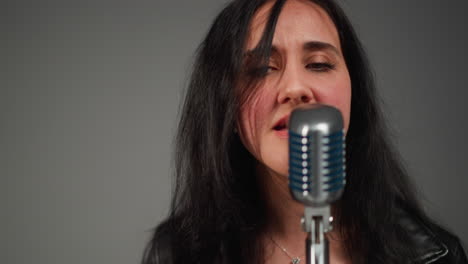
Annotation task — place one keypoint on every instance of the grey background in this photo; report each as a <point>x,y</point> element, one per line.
<point>89,101</point>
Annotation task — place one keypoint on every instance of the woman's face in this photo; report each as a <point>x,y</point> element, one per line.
<point>306,67</point>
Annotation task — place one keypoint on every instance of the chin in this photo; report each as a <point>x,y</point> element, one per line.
<point>275,155</point>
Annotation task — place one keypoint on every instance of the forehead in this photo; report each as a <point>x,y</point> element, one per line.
<point>299,21</point>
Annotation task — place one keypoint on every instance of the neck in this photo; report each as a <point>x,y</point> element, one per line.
<point>284,219</point>
<point>283,212</point>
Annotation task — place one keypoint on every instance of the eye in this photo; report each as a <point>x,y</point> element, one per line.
<point>270,69</point>
<point>265,70</point>
<point>320,66</point>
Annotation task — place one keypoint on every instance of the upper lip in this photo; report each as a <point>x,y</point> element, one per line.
<point>282,122</point>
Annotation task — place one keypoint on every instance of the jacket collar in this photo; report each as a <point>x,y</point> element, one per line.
<point>430,247</point>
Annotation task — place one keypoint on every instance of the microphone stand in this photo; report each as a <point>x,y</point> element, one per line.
<point>316,222</point>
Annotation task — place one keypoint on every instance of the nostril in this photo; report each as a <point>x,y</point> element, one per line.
<point>295,95</point>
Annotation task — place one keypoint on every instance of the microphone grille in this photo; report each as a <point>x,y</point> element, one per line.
<point>317,173</point>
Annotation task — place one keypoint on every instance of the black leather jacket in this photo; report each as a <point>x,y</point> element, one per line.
<point>436,246</point>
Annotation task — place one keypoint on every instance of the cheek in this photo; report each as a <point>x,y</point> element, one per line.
<point>338,94</point>
<point>253,121</point>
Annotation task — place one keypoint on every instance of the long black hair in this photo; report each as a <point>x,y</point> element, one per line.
<point>217,213</point>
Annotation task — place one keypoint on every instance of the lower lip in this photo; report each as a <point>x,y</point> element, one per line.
<point>283,133</point>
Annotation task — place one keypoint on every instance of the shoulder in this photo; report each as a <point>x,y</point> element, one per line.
<point>159,248</point>
<point>434,243</point>
<point>455,252</point>
<point>177,241</point>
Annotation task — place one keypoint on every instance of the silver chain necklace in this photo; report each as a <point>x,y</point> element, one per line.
<point>294,260</point>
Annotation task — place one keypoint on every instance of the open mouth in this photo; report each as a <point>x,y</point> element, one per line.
<point>282,124</point>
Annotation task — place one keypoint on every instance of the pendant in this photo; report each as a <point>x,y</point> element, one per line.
<point>296,260</point>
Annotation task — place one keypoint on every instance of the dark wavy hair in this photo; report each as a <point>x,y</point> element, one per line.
<point>217,212</point>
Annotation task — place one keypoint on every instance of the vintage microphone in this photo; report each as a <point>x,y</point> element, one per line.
<point>316,171</point>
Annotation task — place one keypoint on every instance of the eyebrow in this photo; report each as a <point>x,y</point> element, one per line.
<point>308,46</point>
<point>318,45</point>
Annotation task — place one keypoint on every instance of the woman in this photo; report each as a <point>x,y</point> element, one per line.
<point>259,61</point>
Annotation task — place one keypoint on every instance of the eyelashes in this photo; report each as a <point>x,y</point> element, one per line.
<point>320,66</point>
<point>256,70</point>
<point>259,71</point>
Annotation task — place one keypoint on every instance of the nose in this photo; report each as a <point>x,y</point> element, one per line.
<point>293,88</point>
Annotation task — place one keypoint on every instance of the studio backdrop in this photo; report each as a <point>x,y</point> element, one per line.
<point>89,103</point>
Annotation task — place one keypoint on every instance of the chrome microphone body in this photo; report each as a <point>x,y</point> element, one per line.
<point>317,172</point>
